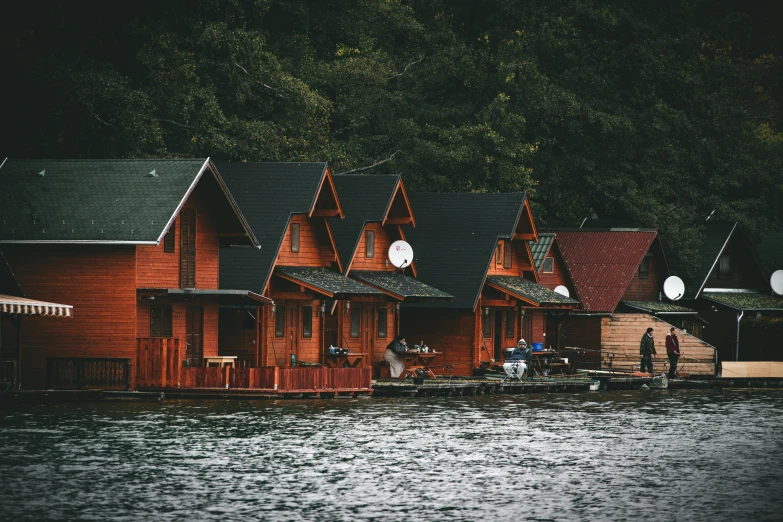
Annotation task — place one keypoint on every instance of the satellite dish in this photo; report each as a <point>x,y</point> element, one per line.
<point>400,254</point>
<point>776,282</point>
<point>560,289</point>
<point>674,288</point>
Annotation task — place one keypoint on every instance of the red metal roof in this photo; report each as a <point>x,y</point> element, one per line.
<point>602,263</point>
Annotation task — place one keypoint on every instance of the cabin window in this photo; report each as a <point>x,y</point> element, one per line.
<point>549,265</point>
<point>187,248</point>
<point>294,237</point>
<point>724,266</point>
<point>510,318</point>
<point>644,268</point>
<point>507,254</point>
<point>280,321</point>
<point>307,322</point>
<point>169,245</point>
<point>486,324</point>
<point>499,253</point>
<point>382,322</point>
<point>370,243</point>
<point>160,320</point>
<point>356,318</point>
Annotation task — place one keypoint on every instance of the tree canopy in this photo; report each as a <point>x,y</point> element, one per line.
<point>657,113</point>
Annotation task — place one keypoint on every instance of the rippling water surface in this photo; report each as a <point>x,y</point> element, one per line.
<point>667,455</point>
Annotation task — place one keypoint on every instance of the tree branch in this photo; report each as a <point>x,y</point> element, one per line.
<point>371,166</point>
<point>414,62</point>
<point>276,91</point>
<point>177,124</point>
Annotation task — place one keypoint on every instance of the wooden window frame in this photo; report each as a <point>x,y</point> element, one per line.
<point>355,316</point>
<point>369,244</point>
<point>161,314</point>
<point>727,273</point>
<point>296,234</point>
<point>383,313</point>
<point>644,268</point>
<point>507,254</point>
<point>551,261</point>
<point>486,324</point>
<point>499,253</point>
<point>307,322</point>
<point>170,241</point>
<point>511,317</point>
<point>280,324</point>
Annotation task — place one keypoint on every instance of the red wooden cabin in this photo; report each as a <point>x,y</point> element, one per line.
<point>287,205</point>
<point>475,247</point>
<point>133,245</point>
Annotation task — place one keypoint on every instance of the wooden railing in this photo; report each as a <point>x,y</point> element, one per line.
<point>157,362</point>
<point>71,373</point>
<point>7,374</point>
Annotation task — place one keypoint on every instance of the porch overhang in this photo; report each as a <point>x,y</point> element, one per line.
<point>226,297</point>
<point>401,287</point>
<point>745,301</point>
<point>530,292</point>
<point>22,306</point>
<point>325,282</point>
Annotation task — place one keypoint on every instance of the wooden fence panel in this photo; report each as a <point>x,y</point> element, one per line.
<point>73,373</point>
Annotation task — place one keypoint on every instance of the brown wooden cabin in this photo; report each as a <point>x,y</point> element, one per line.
<point>731,290</point>
<point>133,245</point>
<point>475,247</point>
<point>287,205</point>
<point>376,208</point>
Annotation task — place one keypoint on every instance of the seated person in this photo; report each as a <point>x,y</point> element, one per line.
<point>517,362</point>
<point>397,346</point>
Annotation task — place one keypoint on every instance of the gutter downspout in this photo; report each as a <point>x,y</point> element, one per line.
<point>736,348</point>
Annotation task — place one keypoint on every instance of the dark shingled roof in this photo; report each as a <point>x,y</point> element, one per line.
<point>268,194</point>
<point>364,198</point>
<point>401,286</point>
<point>329,282</point>
<point>745,300</point>
<point>455,239</point>
<point>528,289</point>
<point>540,248</point>
<point>657,306</point>
<point>75,200</point>
<point>716,236</point>
<point>770,250</point>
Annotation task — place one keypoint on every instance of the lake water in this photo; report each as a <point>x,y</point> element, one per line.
<point>657,455</point>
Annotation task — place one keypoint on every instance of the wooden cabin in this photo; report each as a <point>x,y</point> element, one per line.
<point>618,274</point>
<point>133,245</point>
<point>731,290</point>
<point>475,247</point>
<point>376,208</point>
<point>288,206</point>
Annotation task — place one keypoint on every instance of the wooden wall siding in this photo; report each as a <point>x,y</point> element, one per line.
<point>585,333</point>
<point>520,261</point>
<point>743,274</point>
<point>210,324</point>
<point>383,240</point>
<point>558,276</point>
<point>237,335</point>
<point>315,247</point>
<point>157,269</point>
<point>621,335</point>
<point>449,331</point>
<point>646,289</point>
<point>277,351</point>
<point>368,341</point>
<point>99,281</point>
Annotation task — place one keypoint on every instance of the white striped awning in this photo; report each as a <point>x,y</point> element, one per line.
<point>19,305</point>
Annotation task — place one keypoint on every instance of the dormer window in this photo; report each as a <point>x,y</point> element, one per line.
<point>724,266</point>
<point>294,237</point>
<point>507,254</point>
<point>644,267</point>
<point>499,253</point>
<point>549,265</point>
<point>370,244</point>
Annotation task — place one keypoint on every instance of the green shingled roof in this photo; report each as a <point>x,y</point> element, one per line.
<point>128,201</point>
<point>540,248</point>
<point>657,306</point>
<point>530,290</point>
<point>402,286</point>
<point>745,300</point>
<point>331,283</point>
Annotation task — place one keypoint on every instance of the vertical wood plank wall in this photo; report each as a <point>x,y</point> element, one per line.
<point>449,331</point>
<point>98,280</point>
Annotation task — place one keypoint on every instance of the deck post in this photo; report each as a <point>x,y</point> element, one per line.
<point>276,378</point>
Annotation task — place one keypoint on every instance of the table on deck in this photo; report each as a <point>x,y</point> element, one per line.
<point>416,361</point>
<point>348,360</point>
<point>220,360</point>
<point>540,362</point>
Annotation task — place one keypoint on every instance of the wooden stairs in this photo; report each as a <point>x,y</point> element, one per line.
<point>622,333</point>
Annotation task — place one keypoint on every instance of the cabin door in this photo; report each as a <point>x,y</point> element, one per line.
<point>368,332</point>
<point>292,337</point>
<point>194,334</point>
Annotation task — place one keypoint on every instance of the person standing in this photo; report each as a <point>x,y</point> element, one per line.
<point>391,355</point>
<point>647,349</point>
<point>673,351</point>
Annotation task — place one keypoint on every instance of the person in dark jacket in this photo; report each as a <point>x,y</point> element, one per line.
<point>647,349</point>
<point>517,362</point>
<point>391,355</point>
<point>672,351</point>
